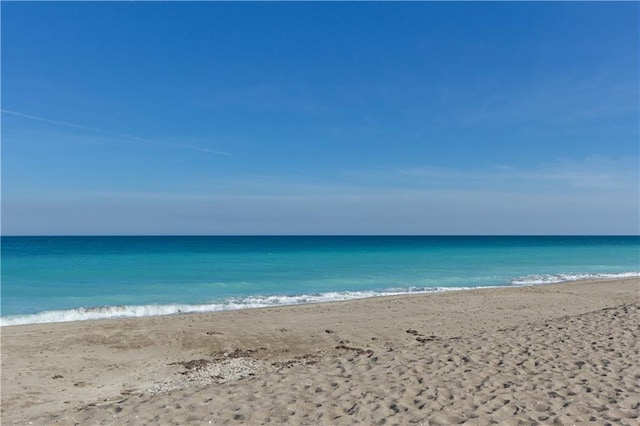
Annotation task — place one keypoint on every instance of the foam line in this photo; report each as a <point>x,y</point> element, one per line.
<point>257,301</point>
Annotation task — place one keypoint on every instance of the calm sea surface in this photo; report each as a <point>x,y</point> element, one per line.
<point>48,279</point>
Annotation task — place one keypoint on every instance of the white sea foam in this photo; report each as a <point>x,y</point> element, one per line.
<point>131,311</point>
<point>560,278</point>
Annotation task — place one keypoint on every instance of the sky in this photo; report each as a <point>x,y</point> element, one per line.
<point>427,118</point>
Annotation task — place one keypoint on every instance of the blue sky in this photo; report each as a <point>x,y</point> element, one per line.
<point>320,118</point>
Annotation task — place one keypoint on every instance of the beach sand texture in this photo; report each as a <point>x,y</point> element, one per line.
<point>555,354</point>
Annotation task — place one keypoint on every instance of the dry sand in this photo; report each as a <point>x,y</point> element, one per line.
<point>555,354</point>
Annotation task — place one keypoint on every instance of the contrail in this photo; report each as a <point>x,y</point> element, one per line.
<point>107,132</point>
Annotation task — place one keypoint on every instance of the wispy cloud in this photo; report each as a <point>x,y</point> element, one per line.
<point>591,174</point>
<point>592,196</point>
<point>389,212</point>
<point>560,101</point>
<point>115,134</point>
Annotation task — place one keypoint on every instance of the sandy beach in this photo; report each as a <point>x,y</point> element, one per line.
<point>556,354</point>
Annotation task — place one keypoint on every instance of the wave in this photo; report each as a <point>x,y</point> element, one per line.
<point>257,301</point>
<point>560,278</point>
<point>132,311</point>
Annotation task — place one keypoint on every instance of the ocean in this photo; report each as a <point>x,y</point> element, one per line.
<point>52,279</point>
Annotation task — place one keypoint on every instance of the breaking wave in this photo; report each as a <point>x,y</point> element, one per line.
<point>257,301</point>
<point>560,278</point>
<point>132,311</point>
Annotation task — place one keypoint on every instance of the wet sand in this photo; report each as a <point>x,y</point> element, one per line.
<point>555,354</point>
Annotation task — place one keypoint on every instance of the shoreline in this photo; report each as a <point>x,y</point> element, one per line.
<point>99,313</point>
<point>107,370</point>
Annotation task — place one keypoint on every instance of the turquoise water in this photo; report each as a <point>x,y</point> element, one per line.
<point>46,279</point>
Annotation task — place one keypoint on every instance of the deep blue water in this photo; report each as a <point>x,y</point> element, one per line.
<point>69,278</point>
